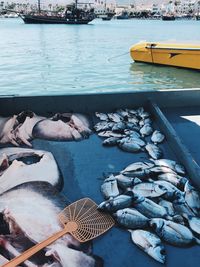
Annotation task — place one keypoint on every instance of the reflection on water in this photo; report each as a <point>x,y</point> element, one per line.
<point>59,59</point>
<point>162,77</point>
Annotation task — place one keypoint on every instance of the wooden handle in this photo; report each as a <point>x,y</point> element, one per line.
<point>33,250</point>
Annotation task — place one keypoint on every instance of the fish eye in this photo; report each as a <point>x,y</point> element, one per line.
<point>162,251</point>
<point>153,225</point>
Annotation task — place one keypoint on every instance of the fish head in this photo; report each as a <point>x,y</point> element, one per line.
<point>106,205</point>
<point>137,198</point>
<point>156,224</point>
<point>158,253</point>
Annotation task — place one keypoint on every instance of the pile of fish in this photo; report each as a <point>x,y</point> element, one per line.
<point>30,205</point>
<point>22,128</point>
<point>131,130</point>
<point>155,202</point>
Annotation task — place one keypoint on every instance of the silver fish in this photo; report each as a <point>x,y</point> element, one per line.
<point>172,233</point>
<point>109,187</point>
<point>173,165</point>
<point>145,121</point>
<point>122,112</point>
<point>148,208</point>
<point>168,206</point>
<point>174,179</point>
<point>194,223</point>
<point>146,130</point>
<point>172,191</point>
<point>124,182</point>
<point>116,203</point>
<point>149,243</point>
<point>133,119</point>
<point>114,117</point>
<point>149,190</point>
<point>192,198</point>
<point>154,151</point>
<point>181,206</point>
<point>101,116</point>
<point>110,134</point>
<point>130,146</point>
<point>131,218</point>
<point>157,137</point>
<point>132,111</point>
<point>132,126</point>
<point>142,113</point>
<point>111,141</point>
<point>160,169</point>
<point>103,126</point>
<point>132,134</point>
<point>119,127</point>
<point>137,166</point>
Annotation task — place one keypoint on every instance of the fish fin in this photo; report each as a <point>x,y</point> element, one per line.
<point>14,142</point>
<point>25,141</point>
<point>197,240</point>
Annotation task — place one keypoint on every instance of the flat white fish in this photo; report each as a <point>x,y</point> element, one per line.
<point>157,137</point>
<point>168,206</point>
<point>173,165</point>
<point>192,198</point>
<point>146,130</point>
<point>109,187</point>
<point>174,179</point>
<point>44,169</point>
<point>101,116</point>
<point>149,243</point>
<point>116,203</point>
<point>172,233</point>
<point>149,190</point>
<point>131,218</point>
<point>194,223</point>
<point>154,151</point>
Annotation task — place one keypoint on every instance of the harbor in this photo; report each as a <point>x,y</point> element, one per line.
<point>99,134</point>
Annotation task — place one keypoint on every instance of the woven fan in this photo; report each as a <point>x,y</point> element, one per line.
<point>81,219</point>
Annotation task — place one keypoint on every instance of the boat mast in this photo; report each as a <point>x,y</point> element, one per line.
<point>76,4</point>
<point>39,8</point>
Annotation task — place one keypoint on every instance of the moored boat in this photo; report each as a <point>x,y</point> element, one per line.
<point>178,55</point>
<point>168,17</point>
<point>72,15</point>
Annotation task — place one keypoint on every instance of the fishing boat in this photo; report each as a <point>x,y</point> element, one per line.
<point>168,17</point>
<point>72,15</point>
<point>108,14</point>
<point>177,55</point>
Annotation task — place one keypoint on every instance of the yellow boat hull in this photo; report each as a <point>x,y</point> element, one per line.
<point>178,55</point>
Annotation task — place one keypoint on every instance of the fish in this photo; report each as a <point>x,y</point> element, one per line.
<point>116,203</point>
<point>133,119</point>
<point>55,130</point>
<point>125,182</point>
<point>148,208</point>
<point>173,233</point>
<point>22,170</point>
<point>132,111</point>
<point>103,126</point>
<point>7,125</point>
<point>160,169</point>
<point>149,190</point>
<point>131,218</point>
<point>130,146</point>
<point>157,137</point>
<point>132,126</point>
<point>34,208</point>
<point>172,191</point>
<point>68,257</point>
<point>146,130</point>
<point>109,187</point>
<point>80,123</point>
<point>4,163</point>
<point>154,151</point>
<point>111,141</point>
<point>194,223</point>
<point>174,179</point>
<point>123,112</point>
<point>114,117</point>
<point>135,140</point>
<point>119,127</point>
<point>23,132</point>
<point>101,116</point>
<point>181,206</point>
<point>142,113</point>
<point>168,206</point>
<point>142,122</point>
<point>136,166</point>
<point>132,134</point>
<point>192,198</point>
<point>149,243</point>
<point>110,134</point>
<point>173,165</point>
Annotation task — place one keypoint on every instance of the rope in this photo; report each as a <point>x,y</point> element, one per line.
<point>109,59</point>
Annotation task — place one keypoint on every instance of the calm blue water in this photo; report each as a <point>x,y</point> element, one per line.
<point>58,59</point>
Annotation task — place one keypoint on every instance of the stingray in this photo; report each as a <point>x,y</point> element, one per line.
<point>28,165</point>
<point>62,127</point>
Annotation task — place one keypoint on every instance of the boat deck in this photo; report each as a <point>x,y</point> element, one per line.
<point>186,122</point>
<point>84,163</point>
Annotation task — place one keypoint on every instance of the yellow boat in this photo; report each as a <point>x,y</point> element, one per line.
<point>178,55</point>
